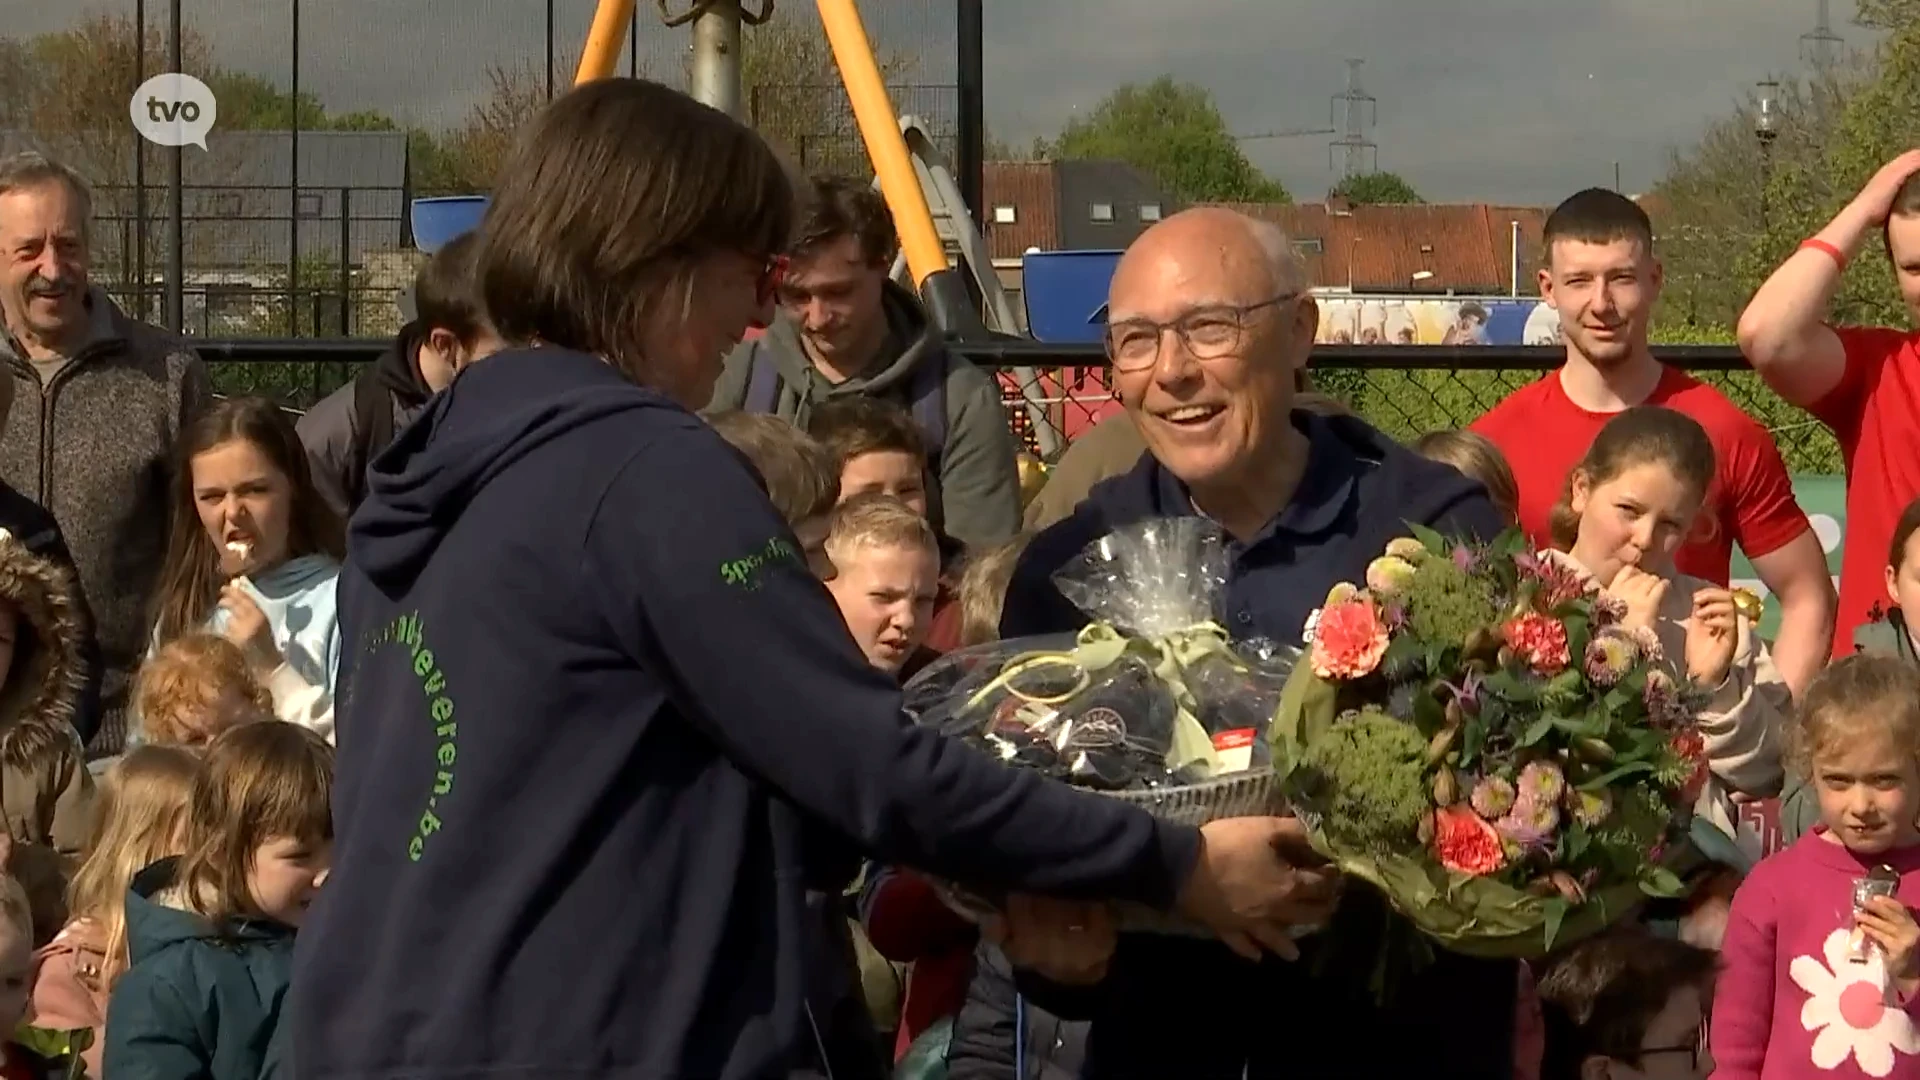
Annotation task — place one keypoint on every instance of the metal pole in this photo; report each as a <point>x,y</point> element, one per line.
<point>633,46</point>
<point>549,50</point>
<point>176,199</point>
<point>293,189</point>
<point>142,303</point>
<point>346,262</point>
<point>716,56</point>
<point>971,158</point>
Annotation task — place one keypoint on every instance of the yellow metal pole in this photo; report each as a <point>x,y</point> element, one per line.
<point>611,20</point>
<point>880,130</point>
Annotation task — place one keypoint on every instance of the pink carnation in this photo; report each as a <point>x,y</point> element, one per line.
<point>1465,843</point>
<point>1540,640</point>
<point>1349,640</point>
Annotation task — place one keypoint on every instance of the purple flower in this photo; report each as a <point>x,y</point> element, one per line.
<point>1467,691</point>
<point>1529,823</point>
<point>1394,615</point>
<point>1465,558</point>
<point>1542,782</point>
<point>1492,797</point>
<point>1610,656</point>
<point>1607,611</point>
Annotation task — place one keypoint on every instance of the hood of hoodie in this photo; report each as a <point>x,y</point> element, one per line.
<point>497,412</point>
<point>44,685</point>
<point>397,369</point>
<point>911,340</point>
<point>153,925</point>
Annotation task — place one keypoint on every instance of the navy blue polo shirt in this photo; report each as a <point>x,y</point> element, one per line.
<point>1317,1017</point>
<point>1359,490</point>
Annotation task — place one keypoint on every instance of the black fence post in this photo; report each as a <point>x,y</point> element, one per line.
<point>293,187</point>
<point>346,262</point>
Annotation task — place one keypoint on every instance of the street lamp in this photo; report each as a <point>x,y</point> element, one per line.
<point>1766,128</point>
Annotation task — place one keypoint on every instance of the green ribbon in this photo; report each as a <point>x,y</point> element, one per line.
<point>1171,656</point>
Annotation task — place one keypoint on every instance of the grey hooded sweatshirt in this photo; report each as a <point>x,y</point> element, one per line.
<point>976,495</point>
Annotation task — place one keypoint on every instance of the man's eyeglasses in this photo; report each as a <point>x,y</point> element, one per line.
<point>1207,333</point>
<point>1695,1050</point>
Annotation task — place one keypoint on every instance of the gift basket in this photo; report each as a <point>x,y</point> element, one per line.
<point>1151,702</point>
<point>1476,735</point>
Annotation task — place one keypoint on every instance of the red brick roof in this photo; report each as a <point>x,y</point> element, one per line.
<point>1031,189</point>
<point>1468,247</point>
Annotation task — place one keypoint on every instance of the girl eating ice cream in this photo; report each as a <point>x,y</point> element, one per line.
<point>253,556</point>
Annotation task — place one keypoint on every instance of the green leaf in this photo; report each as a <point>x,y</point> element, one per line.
<point>1473,736</point>
<point>1606,779</point>
<point>1658,881</point>
<point>1573,843</point>
<point>1554,913</point>
<point>1537,731</point>
<point>1437,544</point>
<point>1428,714</point>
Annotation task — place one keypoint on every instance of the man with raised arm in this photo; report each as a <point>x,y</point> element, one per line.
<point>1862,382</point>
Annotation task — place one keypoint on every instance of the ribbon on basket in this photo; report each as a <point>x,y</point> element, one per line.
<point>1099,647</point>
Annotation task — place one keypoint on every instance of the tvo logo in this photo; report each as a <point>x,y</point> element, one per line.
<point>173,110</point>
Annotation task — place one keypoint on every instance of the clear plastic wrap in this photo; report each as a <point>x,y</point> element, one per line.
<point>1150,701</point>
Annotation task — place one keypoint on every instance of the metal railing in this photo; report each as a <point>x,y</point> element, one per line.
<point>1404,390</point>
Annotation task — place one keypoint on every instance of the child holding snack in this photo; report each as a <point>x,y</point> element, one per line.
<point>1632,500</point>
<point>254,554</point>
<point>195,687</point>
<point>139,820</point>
<point>211,932</point>
<point>1822,953</point>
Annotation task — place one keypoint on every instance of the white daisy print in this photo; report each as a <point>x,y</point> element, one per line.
<point>1306,632</point>
<point>1848,1003</point>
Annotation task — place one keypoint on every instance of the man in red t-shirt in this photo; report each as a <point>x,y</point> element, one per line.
<point>1603,279</point>
<point>1862,383</point>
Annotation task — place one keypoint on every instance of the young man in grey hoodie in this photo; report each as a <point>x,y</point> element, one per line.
<point>844,328</point>
<point>99,399</point>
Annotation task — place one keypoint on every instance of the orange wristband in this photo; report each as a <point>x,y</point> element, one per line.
<point>1816,244</point>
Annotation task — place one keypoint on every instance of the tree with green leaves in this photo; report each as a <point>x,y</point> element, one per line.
<point>1376,189</point>
<point>1174,132</point>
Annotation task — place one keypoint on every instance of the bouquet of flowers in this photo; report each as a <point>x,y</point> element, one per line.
<point>1476,735</point>
<point>1151,702</point>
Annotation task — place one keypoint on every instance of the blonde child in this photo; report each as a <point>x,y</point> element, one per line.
<point>1477,458</point>
<point>46,792</point>
<point>140,819</point>
<point>1814,982</point>
<point>886,577</point>
<point>801,476</point>
<point>1632,500</point>
<point>195,687</point>
<point>211,932</point>
<point>253,555</point>
<point>983,590</point>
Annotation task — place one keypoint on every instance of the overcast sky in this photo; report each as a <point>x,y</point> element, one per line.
<point>1520,101</point>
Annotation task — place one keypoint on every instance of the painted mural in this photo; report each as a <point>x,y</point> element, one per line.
<point>1428,320</point>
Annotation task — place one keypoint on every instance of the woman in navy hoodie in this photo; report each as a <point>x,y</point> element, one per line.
<point>592,699</point>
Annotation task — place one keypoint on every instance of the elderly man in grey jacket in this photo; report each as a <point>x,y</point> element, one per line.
<point>99,400</point>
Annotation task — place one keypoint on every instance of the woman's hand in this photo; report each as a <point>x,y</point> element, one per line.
<point>1643,593</point>
<point>247,627</point>
<point>1712,632</point>
<point>1257,879</point>
<point>1887,922</point>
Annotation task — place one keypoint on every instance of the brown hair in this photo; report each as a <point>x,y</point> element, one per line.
<point>31,169</point>
<point>262,782</point>
<point>1903,531</point>
<point>1856,692</point>
<point>446,294</point>
<point>1642,435</point>
<point>801,477</point>
<point>1599,996</point>
<point>611,197</point>
<point>181,690</point>
<point>851,426</point>
<point>1596,216</point>
<point>190,578</point>
<point>1475,456</point>
<point>983,589</point>
<point>838,206</point>
<point>876,519</point>
<point>137,821</point>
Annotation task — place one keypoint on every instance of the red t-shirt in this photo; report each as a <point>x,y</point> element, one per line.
<point>1875,415</point>
<point>1544,435</point>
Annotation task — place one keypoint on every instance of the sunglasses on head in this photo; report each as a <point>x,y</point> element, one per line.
<point>767,288</point>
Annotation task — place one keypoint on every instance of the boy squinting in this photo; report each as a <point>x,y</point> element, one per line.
<point>886,576</point>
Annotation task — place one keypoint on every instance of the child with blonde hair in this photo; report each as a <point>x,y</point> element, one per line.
<point>195,687</point>
<point>139,819</point>
<point>886,578</point>
<point>1819,979</point>
<point>214,928</point>
<point>1477,458</point>
<point>983,590</point>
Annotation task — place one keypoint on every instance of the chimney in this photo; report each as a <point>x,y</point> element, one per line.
<point>1339,205</point>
